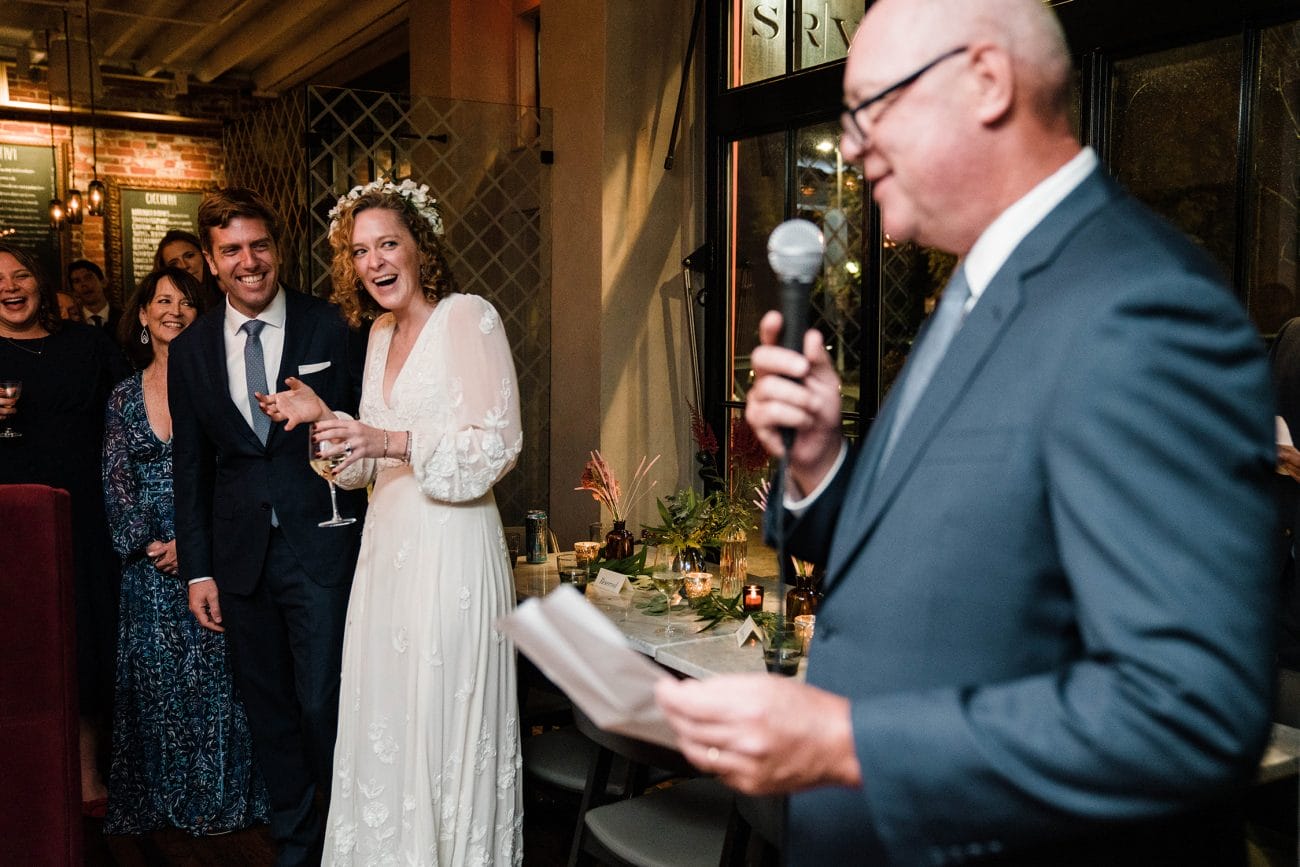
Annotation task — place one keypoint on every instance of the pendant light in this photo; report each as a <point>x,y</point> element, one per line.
<point>96,195</point>
<point>75,211</point>
<point>56,204</point>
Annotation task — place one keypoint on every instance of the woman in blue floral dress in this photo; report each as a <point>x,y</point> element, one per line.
<point>181,752</point>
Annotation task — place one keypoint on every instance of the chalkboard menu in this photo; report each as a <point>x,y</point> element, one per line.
<point>26,187</point>
<point>147,215</point>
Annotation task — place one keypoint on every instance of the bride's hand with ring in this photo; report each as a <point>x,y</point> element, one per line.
<point>298,404</point>
<point>354,439</point>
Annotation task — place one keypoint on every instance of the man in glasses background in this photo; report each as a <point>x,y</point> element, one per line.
<point>1046,637</point>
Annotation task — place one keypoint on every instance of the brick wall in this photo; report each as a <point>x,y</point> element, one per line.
<point>127,157</point>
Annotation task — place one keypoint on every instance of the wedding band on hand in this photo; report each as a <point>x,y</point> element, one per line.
<point>713,755</point>
<point>347,448</point>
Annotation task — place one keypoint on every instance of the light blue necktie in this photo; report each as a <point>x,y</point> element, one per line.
<point>255,376</point>
<point>947,319</point>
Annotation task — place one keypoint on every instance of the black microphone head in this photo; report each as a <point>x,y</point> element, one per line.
<point>795,249</point>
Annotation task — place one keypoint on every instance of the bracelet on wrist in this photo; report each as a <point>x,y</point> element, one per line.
<point>385,443</point>
<point>406,458</point>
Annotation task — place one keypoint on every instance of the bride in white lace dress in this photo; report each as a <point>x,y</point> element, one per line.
<point>426,765</point>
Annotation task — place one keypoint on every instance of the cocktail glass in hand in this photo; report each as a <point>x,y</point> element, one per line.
<point>13,389</point>
<point>667,582</point>
<point>782,647</point>
<point>325,465</point>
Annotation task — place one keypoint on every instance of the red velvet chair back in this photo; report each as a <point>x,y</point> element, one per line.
<point>40,775</point>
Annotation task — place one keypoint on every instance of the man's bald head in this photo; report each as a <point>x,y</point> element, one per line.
<point>982,122</point>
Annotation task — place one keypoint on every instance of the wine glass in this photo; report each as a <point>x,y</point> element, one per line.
<point>11,388</point>
<point>325,465</point>
<point>667,582</point>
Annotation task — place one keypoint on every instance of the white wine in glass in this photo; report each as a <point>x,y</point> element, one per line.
<point>668,583</point>
<point>11,388</point>
<point>325,465</point>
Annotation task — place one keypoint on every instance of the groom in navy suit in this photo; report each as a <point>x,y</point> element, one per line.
<point>248,506</point>
<point>1046,637</point>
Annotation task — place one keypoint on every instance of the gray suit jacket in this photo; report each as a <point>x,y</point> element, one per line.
<point>1052,608</point>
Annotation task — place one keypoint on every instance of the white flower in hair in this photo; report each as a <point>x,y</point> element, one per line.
<point>415,194</point>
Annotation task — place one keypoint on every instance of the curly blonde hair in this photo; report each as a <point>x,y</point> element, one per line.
<point>349,291</point>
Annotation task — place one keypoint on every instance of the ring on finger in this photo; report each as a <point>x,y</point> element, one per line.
<point>713,754</point>
<point>347,448</point>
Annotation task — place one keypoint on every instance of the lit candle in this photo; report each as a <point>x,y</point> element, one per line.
<point>804,624</point>
<point>753,597</point>
<point>587,552</point>
<point>697,584</point>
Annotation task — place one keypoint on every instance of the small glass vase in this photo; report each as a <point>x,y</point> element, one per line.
<point>619,542</point>
<point>733,564</point>
<point>687,560</point>
<point>803,597</point>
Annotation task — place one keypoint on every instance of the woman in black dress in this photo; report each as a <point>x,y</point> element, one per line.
<point>67,370</point>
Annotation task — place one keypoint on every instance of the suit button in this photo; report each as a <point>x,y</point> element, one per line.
<point>266,507</point>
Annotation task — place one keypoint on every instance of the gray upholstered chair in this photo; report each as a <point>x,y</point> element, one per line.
<point>689,823</point>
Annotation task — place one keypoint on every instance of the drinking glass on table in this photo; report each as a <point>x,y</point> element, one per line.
<point>571,571</point>
<point>667,581</point>
<point>782,647</point>
<point>12,389</point>
<point>324,462</point>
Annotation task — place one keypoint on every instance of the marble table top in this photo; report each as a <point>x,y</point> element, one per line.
<point>691,651</point>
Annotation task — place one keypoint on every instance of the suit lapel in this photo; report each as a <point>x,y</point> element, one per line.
<point>299,326</point>
<point>217,378</point>
<point>872,490</point>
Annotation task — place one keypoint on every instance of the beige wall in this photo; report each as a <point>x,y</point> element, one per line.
<point>620,359</point>
<point>610,71</point>
<point>463,49</point>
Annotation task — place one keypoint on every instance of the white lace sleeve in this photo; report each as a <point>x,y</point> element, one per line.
<point>481,436</point>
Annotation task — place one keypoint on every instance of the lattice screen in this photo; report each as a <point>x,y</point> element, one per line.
<point>263,152</point>
<point>484,162</point>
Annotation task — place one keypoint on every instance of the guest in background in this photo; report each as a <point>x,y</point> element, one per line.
<point>180,249</point>
<point>86,280</point>
<point>182,756</point>
<point>69,309</point>
<point>67,370</point>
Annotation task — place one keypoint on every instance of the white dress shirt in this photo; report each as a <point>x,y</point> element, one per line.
<point>102,313</point>
<point>272,350</point>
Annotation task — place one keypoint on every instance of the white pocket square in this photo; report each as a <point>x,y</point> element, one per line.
<point>304,369</point>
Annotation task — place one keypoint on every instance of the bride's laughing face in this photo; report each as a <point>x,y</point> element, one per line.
<point>386,259</point>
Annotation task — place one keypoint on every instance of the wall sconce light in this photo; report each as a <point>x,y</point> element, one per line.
<point>73,209</point>
<point>56,204</point>
<point>76,213</point>
<point>96,195</point>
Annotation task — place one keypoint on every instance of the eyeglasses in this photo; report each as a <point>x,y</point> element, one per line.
<point>853,130</point>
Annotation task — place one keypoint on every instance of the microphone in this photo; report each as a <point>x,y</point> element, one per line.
<point>794,250</point>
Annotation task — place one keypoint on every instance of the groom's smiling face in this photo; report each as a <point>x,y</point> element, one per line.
<point>246,263</point>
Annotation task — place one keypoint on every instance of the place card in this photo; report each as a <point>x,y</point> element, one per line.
<point>749,629</point>
<point>610,582</point>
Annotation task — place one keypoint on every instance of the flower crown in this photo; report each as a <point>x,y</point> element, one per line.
<point>416,196</point>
